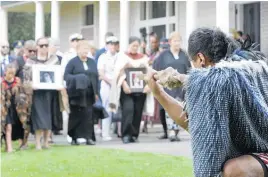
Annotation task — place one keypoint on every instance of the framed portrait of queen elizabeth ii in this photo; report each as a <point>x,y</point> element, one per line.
<point>136,85</point>
<point>47,77</point>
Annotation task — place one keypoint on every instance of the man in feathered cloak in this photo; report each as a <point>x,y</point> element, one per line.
<point>226,105</point>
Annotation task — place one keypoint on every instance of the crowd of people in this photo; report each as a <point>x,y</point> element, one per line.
<point>228,94</point>
<point>89,79</point>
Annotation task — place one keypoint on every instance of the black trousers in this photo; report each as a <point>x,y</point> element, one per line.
<point>163,119</point>
<point>132,108</point>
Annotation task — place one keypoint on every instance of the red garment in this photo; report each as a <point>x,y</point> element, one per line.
<point>5,83</point>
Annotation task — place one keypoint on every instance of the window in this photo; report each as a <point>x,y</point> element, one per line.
<point>172,8</point>
<point>172,28</point>
<point>143,10</point>
<point>158,9</point>
<point>89,15</point>
<point>159,30</point>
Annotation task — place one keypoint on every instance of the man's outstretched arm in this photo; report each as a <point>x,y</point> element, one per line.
<point>171,105</point>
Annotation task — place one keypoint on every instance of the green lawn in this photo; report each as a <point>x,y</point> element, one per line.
<point>84,161</point>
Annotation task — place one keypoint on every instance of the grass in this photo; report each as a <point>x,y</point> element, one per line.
<point>84,161</point>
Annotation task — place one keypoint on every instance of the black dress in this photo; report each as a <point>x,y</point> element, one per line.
<point>42,112</point>
<point>13,118</point>
<point>81,88</point>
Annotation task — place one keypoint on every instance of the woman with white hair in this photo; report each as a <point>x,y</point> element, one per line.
<point>81,78</point>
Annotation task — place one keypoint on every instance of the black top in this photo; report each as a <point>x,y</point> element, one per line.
<point>181,63</point>
<point>81,84</point>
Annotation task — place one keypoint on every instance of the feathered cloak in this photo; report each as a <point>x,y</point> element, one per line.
<point>227,107</point>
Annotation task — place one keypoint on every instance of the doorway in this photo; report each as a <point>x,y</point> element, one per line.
<point>252,22</point>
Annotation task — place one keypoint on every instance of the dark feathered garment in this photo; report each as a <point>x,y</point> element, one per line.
<point>227,107</point>
<point>7,92</point>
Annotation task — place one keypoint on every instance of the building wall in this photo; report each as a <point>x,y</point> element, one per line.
<point>72,16</point>
<point>69,22</point>
<point>264,27</point>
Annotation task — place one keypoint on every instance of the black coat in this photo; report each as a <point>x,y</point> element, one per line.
<point>81,84</point>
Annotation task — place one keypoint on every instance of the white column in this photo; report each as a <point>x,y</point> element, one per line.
<point>4,25</point>
<point>39,20</point>
<point>167,16</point>
<point>240,17</point>
<point>177,12</point>
<point>124,24</point>
<point>191,18</point>
<point>103,21</point>
<point>222,15</point>
<point>55,19</point>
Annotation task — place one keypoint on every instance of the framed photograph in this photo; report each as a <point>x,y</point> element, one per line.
<point>47,77</point>
<point>136,85</point>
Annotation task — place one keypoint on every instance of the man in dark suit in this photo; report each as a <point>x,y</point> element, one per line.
<point>5,58</point>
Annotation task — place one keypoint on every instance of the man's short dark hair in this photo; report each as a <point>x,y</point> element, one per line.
<point>153,34</point>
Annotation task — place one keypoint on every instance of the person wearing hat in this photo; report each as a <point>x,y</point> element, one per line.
<point>97,55</point>
<point>18,48</point>
<point>104,49</point>
<point>106,66</point>
<point>73,40</point>
<point>5,58</point>
<point>164,45</point>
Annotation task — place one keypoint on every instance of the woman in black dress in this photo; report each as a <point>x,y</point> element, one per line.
<point>81,78</point>
<point>43,110</point>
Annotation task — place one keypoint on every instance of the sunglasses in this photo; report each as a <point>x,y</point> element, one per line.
<point>43,45</point>
<point>5,47</point>
<point>32,51</point>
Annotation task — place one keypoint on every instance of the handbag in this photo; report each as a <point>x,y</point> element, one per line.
<point>99,111</point>
<point>117,117</point>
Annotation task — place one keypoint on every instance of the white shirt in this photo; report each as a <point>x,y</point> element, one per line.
<point>4,61</point>
<point>107,63</point>
<point>67,57</point>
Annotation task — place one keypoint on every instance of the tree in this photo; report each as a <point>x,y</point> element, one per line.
<point>21,26</point>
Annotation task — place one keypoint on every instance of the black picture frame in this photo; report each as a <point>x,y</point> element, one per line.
<point>136,85</point>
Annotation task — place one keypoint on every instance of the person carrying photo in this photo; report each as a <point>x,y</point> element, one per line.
<point>130,103</point>
<point>43,104</point>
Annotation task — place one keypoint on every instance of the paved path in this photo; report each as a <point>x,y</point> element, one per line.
<point>147,143</point>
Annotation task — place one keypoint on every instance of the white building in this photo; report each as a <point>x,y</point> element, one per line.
<point>124,18</point>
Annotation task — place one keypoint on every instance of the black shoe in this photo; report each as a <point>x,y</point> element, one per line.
<point>163,137</point>
<point>57,133</point>
<point>74,142</point>
<point>174,138</point>
<point>126,140</point>
<point>90,142</point>
<point>134,140</point>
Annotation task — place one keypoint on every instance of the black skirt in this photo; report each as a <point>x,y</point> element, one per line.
<point>42,112</point>
<point>81,123</point>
